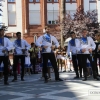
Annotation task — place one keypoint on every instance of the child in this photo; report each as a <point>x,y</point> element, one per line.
<point>27,63</point>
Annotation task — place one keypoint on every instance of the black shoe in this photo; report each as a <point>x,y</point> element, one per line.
<point>76,77</point>
<point>98,75</point>
<point>22,80</point>
<point>84,79</point>
<point>14,80</point>
<point>59,80</point>
<point>80,76</point>
<point>96,78</point>
<point>46,81</point>
<point>64,71</point>
<point>6,83</point>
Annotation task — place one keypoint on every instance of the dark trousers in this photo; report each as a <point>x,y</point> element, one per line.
<point>33,62</point>
<point>84,63</point>
<point>95,59</point>
<point>75,64</point>
<point>52,59</point>
<point>5,62</point>
<point>16,60</point>
<point>79,58</point>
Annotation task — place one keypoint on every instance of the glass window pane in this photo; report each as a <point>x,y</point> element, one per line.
<point>55,0</point>
<point>37,0</point>
<point>11,0</point>
<point>30,0</point>
<point>12,18</point>
<point>67,0</point>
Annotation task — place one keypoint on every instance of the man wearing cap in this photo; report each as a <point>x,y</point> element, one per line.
<point>73,46</point>
<point>45,42</point>
<point>5,47</point>
<point>20,48</point>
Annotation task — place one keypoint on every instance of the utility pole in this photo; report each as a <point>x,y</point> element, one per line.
<point>62,17</point>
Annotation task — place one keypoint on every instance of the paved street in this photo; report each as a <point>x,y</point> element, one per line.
<point>33,88</point>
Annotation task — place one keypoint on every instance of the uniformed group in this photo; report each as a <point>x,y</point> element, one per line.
<point>81,49</point>
<point>20,47</point>
<point>84,48</point>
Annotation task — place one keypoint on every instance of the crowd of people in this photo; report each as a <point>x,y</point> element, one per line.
<point>47,54</point>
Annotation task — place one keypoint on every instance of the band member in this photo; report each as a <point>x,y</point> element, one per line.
<point>5,47</point>
<point>45,42</point>
<point>72,48</point>
<point>87,45</point>
<point>96,51</point>
<point>21,46</point>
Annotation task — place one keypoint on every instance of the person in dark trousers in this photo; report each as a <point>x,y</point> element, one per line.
<point>21,46</point>
<point>5,47</point>
<point>96,52</point>
<point>45,42</point>
<point>33,56</point>
<point>87,45</point>
<point>72,48</point>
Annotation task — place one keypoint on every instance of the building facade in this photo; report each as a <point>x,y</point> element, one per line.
<point>31,16</point>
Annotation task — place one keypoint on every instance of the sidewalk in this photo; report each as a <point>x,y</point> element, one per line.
<point>35,89</point>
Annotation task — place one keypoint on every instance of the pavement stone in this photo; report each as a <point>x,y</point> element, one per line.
<point>33,88</point>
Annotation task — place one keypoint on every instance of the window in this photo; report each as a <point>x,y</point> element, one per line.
<point>11,18</point>
<point>11,0</point>
<point>34,1</point>
<point>55,0</point>
<point>30,0</point>
<point>67,0</point>
<point>49,0</point>
<point>52,16</point>
<point>70,0</point>
<point>34,17</point>
<point>35,38</point>
<point>71,12</point>
<point>37,0</point>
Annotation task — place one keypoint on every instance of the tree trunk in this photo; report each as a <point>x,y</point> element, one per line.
<point>62,16</point>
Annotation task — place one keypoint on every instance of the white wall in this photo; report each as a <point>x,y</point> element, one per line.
<point>1,14</point>
<point>18,8</point>
<point>5,13</point>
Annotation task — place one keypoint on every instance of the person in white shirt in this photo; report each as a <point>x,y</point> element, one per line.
<point>87,45</point>
<point>5,47</point>
<point>20,51</point>
<point>73,46</point>
<point>45,42</point>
